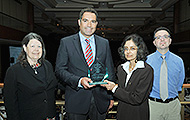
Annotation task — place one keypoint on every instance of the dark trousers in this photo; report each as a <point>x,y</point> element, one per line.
<point>93,114</point>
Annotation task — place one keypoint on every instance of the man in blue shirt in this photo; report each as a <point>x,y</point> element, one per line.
<point>170,107</point>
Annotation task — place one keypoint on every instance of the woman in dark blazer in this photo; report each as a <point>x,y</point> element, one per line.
<point>29,88</point>
<point>135,79</point>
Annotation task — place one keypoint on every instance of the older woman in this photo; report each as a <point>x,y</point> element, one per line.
<point>135,79</point>
<point>30,83</point>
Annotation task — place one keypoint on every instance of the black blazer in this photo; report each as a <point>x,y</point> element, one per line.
<point>71,66</point>
<point>26,96</point>
<point>133,99</point>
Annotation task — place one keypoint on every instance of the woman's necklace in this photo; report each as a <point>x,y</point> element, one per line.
<point>35,67</point>
<point>131,67</point>
<point>35,71</point>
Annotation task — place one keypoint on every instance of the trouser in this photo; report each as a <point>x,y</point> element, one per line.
<point>165,111</point>
<point>93,114</point>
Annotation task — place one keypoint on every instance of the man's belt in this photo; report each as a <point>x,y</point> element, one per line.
<point>161,101</point>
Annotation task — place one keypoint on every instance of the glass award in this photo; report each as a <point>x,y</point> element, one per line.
<point>98,73</point>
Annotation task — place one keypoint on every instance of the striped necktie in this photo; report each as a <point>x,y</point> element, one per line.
<point>88,53</point>
<point>163,80</point>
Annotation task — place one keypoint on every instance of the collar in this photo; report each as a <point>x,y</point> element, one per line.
<point>139,64</point>
<point>35,66</point>
<point>83,38</point>
<point>166,54</point>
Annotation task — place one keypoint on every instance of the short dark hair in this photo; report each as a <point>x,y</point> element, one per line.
<point>142,50</point>
<point>22,57</point>
<point>88,9</point>
<point>162,28</point>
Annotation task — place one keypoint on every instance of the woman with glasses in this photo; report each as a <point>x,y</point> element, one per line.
<point>135,79</point>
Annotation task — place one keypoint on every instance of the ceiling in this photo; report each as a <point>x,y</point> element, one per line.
<point>116,17</point>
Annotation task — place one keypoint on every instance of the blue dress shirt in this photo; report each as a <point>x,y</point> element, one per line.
<point>84,44</point>
<point>176,73</point>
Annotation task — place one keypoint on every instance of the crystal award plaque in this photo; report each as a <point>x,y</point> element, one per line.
<point>98,73</point>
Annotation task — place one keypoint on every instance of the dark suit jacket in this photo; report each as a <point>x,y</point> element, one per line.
<point>71,66</point>
<point>26,96</point>
<point>133,99</point>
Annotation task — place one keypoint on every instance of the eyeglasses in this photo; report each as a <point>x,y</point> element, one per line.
<point>160,37</point>
<point>131,48</point>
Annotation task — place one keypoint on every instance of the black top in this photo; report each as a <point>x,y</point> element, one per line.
<point>133,98</point>
<point>29,96</point>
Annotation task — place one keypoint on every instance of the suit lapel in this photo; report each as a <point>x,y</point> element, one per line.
<point>98,46</point>
<point>78,47</point>
<point>132,78</point>
<point>31,71</point>
<point>124,75</point>
<point>48,73</point>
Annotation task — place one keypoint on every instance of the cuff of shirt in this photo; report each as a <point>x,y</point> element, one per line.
<point>79,84</point>
<point>115,87</point>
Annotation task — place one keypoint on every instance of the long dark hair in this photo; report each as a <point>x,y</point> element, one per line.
<point>142,50</point>
<point>22,57</point>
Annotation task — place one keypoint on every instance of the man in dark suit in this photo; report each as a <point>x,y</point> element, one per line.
<point>83,100</point>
